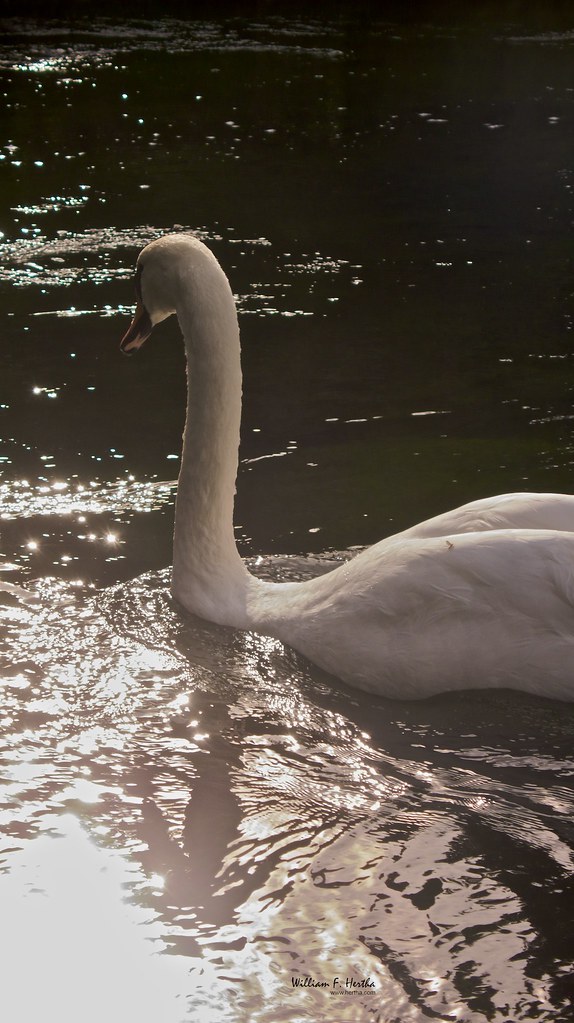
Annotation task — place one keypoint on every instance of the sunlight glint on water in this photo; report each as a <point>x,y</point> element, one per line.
<point>67,924</point>
<point>165,728</point>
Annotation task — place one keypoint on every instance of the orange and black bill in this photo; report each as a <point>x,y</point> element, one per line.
<point>138,331</point>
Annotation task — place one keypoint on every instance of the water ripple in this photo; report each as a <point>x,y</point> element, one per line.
<point>145,724</point>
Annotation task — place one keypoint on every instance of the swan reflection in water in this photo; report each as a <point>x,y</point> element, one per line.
<point>274,825</point>
<point>482,596</point>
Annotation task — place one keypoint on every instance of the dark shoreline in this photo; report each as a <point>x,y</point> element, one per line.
<point>556,15</point>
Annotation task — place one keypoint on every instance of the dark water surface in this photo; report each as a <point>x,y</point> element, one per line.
<point>393,206</point>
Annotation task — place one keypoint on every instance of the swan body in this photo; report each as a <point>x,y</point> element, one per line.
<point>481,596</point>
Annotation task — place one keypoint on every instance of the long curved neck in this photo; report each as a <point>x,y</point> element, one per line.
<point>209,577</point>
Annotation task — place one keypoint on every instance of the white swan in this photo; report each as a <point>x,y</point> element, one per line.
<point>482,596</point>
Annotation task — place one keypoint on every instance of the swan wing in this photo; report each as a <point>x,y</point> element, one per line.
<point>505,511</point>
<point>412,618</point>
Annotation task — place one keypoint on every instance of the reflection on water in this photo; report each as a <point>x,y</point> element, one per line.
<point>266,826</point>
<point>23,499</point>
<point>196,824</point>
<point>68,924</point>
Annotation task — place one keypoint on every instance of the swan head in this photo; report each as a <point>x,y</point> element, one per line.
<point>158,272</point>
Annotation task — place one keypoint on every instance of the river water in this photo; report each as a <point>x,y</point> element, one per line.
<point>196,824</point>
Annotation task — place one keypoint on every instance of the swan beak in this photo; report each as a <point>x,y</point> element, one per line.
<point>138,331</point>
